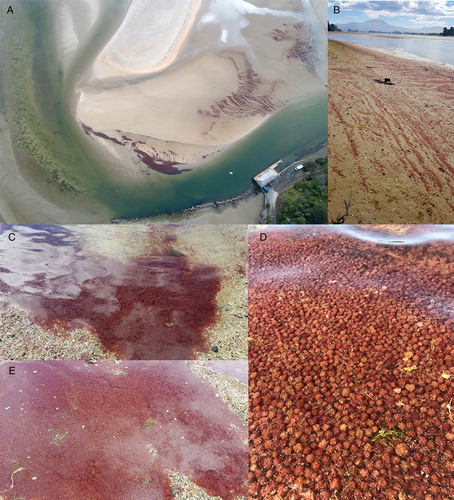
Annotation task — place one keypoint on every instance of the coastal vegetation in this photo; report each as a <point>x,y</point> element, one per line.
<point>306,202</point>
<point>333,27</point>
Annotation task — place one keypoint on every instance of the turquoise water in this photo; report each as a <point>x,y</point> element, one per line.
<point>57,151</point>
<point>434,48</point>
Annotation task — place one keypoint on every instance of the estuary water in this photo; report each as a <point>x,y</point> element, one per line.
<point>55,153</point>
<point>433,48</point>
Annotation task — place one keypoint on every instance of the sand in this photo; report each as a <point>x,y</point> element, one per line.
<point>136,49</point>
<point>389,145</point>
<point>179,97</point>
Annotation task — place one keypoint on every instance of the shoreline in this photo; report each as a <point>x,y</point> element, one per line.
<point>241,208</point>
<point>397,52</point>
<point>214,212</point>
<point>202,213</point>
<point>387,143</point>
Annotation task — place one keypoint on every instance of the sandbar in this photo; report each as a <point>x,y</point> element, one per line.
<point>193,94</point>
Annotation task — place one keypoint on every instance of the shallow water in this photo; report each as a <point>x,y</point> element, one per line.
<point>297,129</point>
<point>398,235</point>
<point>432,48</point>
<point>234,370</point>
<point>366,258</point>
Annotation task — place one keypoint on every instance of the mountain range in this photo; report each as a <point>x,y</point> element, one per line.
<point>377,25</point>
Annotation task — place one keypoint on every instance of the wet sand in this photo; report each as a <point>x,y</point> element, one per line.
<point>389,145</point>
<point>246,210</point>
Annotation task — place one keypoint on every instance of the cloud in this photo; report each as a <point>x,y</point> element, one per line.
<point>434,8</point>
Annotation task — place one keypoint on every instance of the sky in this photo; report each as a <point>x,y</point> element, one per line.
<point>405,13</point>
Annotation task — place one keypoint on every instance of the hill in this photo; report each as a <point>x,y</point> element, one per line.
<point>382,26</point>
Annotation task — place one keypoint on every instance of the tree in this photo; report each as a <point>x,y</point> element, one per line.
<point>333,27</point>
<point>448,32</point>
<point>318,215</point>
<point>305,203</point>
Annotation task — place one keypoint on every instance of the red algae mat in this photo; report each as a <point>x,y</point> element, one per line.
<point>351,363</point>
<point>113,431</point>
<point>150,307</point>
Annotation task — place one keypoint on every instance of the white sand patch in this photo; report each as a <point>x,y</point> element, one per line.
<point>149,39</point>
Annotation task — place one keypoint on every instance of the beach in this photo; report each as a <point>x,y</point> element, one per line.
<point>244,210</point>
<point>389,145</point>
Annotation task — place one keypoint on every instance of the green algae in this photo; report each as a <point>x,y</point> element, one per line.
<point>387,435</point>
<point>59,436</point>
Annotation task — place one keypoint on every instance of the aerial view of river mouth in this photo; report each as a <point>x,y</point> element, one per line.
<point>111,112</point>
